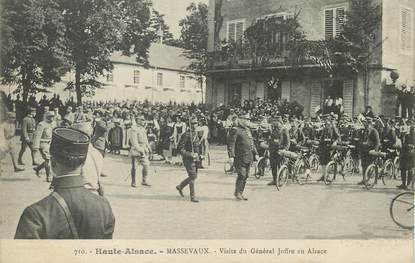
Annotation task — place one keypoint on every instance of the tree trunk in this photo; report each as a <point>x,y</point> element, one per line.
<point>25,86</point>
<point>78,86</point>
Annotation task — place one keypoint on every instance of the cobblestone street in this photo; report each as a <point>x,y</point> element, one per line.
<point>343,210</point>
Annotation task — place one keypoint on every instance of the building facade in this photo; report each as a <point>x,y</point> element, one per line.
<point>311,84</point>
<point>166,79</point>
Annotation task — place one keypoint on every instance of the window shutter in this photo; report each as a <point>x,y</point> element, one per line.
<point>315,96</point>
<point>231,31</point>
<point>406,29</point>
<point>328,23</point>
<point>348,97</point>
<point>339,20</point>
<point>239,31</point>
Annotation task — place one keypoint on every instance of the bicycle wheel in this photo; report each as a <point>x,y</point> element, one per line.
<point>300,173</point>
<point>314,163</point>
<point>388,171</point>
<point>371,175</point>
<point>401,210</point>
<point>331,172</point>
<point>282,177</point>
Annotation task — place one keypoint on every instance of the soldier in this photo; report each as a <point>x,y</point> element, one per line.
<point>407,162</point>
<point>41,141</point>
<point>328,138</point>
<point>28,128</point>
<point>188,145</point>
<point>140,150</point>
<point>8,128</point>
<point>279,140</point>
<point>71,211</point>
<point>243,153</point>
<point>371,141</point>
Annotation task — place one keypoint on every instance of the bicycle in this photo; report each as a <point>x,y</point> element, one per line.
<point>303,165</point>
<point>401,210</point>
<point>288,170</point>
<point>263,167</point>
<point>381,168</point>
<point>338,161</point>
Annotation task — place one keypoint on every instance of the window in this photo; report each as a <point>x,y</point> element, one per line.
<point>406,29</point>
<point>159,79</point>
<point>236,29</point>
<point>110,77</point>
<point>136,76</point>
<point>182,82</point>
<point>333,22</point>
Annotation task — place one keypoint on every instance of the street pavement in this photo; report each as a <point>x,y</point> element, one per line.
<point>343,210</point>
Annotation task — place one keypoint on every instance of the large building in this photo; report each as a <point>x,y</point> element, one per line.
<point>311,84</point>
<point>167,78</point>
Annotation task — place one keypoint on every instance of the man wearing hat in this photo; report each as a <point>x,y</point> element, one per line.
<point>371,141</point>
<point>71,211</point>
<point>28,128</point>
<point>41,141</point>
<point>242,151</point>
<point>188,146</point>
<point>140,150</point>
<point>279,140</point>
<point>8,129</point>
<point>92,169</point>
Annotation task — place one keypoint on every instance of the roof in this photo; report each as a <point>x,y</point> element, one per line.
<point>160,56</point>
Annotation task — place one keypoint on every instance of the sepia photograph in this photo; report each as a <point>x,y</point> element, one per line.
<point>207,130</point>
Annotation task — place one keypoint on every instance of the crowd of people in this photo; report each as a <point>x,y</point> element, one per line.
<point>181,134</point>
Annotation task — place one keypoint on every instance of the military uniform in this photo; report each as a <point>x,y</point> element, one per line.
<point>371,142</point>
<point>242,149</point>
<point>28,129</point>
<point>70,211</point>
<point>280,140</point>
<point>188,145</point>
<point>41,141</point>
<point>139,152</point>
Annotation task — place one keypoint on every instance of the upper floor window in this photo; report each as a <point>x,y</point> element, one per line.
<point>182,82</point>
<point>110,77</point>
<point>136,76</point>
<point>333,21</point>
<point>159,79</point>
<point>236,29</point>
<point>406,30</point>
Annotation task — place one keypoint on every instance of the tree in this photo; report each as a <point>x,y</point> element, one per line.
<point>32,47</point>
<point>161,30</point>
<point>97,28</point>
<point>194,32</point>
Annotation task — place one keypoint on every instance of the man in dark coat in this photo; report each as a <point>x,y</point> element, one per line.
<point>188,145</point>
<point>71,211</point>
<point>371,142</point>
<point>407,162</point>
<point>242,154</point>
<point>279,140</point>
<point>28,129</point>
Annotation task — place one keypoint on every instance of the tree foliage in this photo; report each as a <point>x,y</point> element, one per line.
<point>32,44</point>
<point>158,25</point>
<point>194,33</point>
<point>97,28</point>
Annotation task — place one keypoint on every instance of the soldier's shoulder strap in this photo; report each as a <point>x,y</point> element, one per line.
<point>62,203</point>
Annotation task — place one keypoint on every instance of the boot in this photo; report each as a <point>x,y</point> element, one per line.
<point>192,192</point>
<point>180,190</point>
<point>47,169</point>
<point>145,174</point>
<point>133,178</point>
